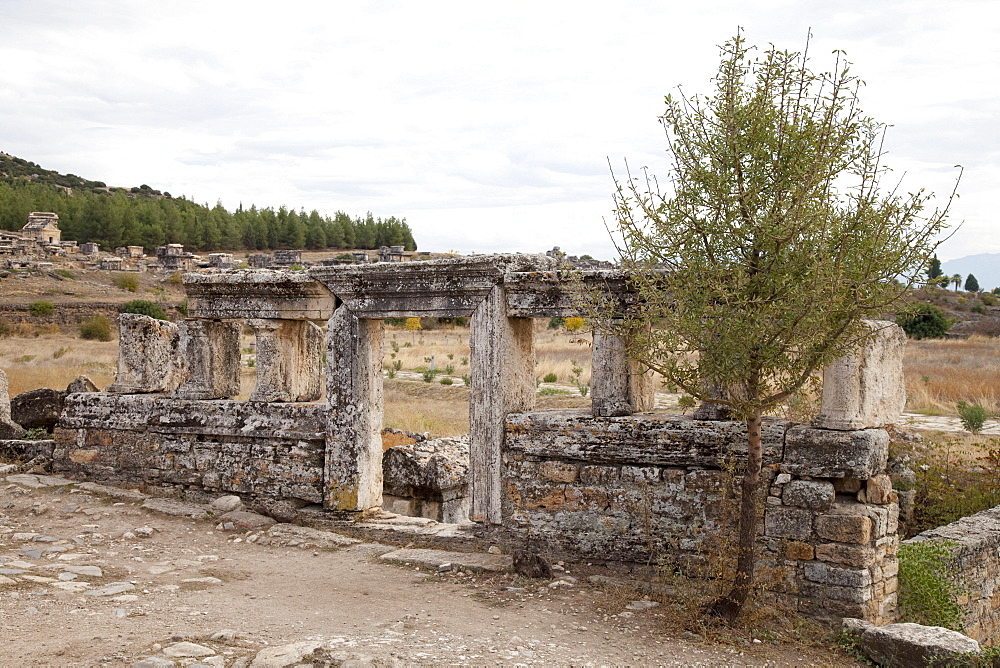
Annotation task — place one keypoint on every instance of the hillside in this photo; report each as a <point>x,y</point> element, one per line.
<point>143,216</point>
<point>984,266</point>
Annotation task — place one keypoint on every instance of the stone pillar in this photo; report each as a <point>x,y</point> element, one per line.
<point>353,467</point>
<point>8,428</point>
<point>866,389</point>
<point>210,354</point>
<point>502,366</point>
<point>618,385</point>
<point>289,360</point>
<point>148,358</point>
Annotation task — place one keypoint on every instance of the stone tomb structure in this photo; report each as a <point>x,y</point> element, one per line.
<point>613,483</point>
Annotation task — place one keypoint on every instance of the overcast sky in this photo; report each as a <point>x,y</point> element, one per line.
<point>488,126</point>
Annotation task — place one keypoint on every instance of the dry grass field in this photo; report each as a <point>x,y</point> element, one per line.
<point>939,373</point>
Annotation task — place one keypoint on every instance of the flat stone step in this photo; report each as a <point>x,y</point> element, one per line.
<point>37,481</point>
<point>473,561</point>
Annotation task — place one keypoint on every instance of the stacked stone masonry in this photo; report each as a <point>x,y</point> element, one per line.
<point>603,484</point>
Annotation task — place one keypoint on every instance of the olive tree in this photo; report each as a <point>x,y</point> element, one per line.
<point>773,238</point>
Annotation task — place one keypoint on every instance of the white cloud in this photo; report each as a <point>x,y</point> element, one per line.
<point>487,126</point>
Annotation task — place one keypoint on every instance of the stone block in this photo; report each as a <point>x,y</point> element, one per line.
<point>37,409</point>
<point>618,385</point>
<point>210,359</point>
<point>878,490</point>
<point>812,494</point>
<point>848,485</point>
<point>826,453</point>
<point>858,556</point>
<point>641,474</point>
<point>148,355</point>
<point>854,529</point>
<point>558,471</point>
<point>289,360</point>
<point>436,470</point>
<point>911,644</point>
<point>865,389</point>
<point>785,522</point>
<point>599,475</point>
<point>818,571</point>
<point>799,551</point>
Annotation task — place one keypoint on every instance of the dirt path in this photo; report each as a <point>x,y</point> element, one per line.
<point>88,580</point>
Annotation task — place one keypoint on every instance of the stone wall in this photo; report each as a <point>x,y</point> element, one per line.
<point>648,489</point>
<point>976,567</point>
<point>272,450</point>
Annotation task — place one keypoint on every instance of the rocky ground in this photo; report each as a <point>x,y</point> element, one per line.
<point>92,575</point>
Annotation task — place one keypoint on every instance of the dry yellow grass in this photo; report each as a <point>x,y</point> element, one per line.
<point>54,360</point>
<point>941,372</point>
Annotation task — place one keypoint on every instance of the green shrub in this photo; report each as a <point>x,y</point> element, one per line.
<point>556,323</point>
<point>98,328</point>
<point>926,592</point>
<point>129,282</point>
<point>988,299</point>
<point>446,381</point>
<point>978,308</point>
<point>65,273</point>
<point>550,378</point>
<point>43,308</point>
<point>144,307</point>
<point>973,417</point>
<point>552,391</point>
<point>686,401</point>
<point>925,321</point>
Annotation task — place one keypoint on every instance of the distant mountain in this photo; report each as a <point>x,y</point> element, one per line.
<point>985,267</point>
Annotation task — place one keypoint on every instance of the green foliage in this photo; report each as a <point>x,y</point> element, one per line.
<point>96,328</point>
<point>146,217</point>
<point>397,365</point>
<point>428,375</point>
<point>175,278</point>
<point>927,592</point>
<point>446,381</point>
<point>924,321</point>
<point>978,308</point>
<point>550,378</point>
<point>988,299</point>
<point>971,284</point>
<point>973,417</point>
<point>40,308</point>
<point>36,434</point>
<point>66,273</point>
<point>552,391</point>
<point>686,401</point>
<point>772,243</point>
<point>182,306</point>
<point>950,487</point>
<point>556,323</point>
<point>467,380</point>
<point>934,269</point>
<point>128,282</point>
<point>144,307</point>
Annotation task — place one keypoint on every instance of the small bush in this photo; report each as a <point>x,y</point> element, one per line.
<point>550,378</point>
<point>556,323</point>
<point>925,321</point>
<point>144,307</point>
<point>65,273</point>
<point>686,401</point>
<point>988,299</point>
<point>24,359</point>
<point>574,324</point>
<point>413,324</point>
<point>128,282</point>
<point>552,391</point>
<point>926,592</point>
<point>97,328</point>
<point>183,307</point>
<point>978,308</point>
<point>43,308</point>
<point>56,354</point>
<point>428,375</point>
<point>973,417</point>
<point>175,278</point>
<point>446,381</point>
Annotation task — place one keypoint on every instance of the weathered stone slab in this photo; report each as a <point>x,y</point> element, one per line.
<point>436,470</point>
<point>288,533</point>
<point>258,293</point>
<point>828,453</point>
<point>636,440</point>
<point>866,389</point>
<point>547,294</point>
<point>435,288</point>
<point>176,508</point>
<point>37,481</point>
<point>174,416</point>
<point>473,561</point>
<point>906,645</point>
<point>813,494</point>
<point>148,359</point>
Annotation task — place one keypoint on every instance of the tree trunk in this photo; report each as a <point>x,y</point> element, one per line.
<point>729,606</point>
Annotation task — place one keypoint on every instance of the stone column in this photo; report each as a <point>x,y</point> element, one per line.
<point>353,467</point>
<point>866,389</point>
<point>289,360</point>
<point>502,366</point>
<point>148,358</point>
<point>210,355</point>
<point>618,385</point>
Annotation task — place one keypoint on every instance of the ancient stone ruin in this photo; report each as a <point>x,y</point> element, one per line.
<point>614,483</point>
